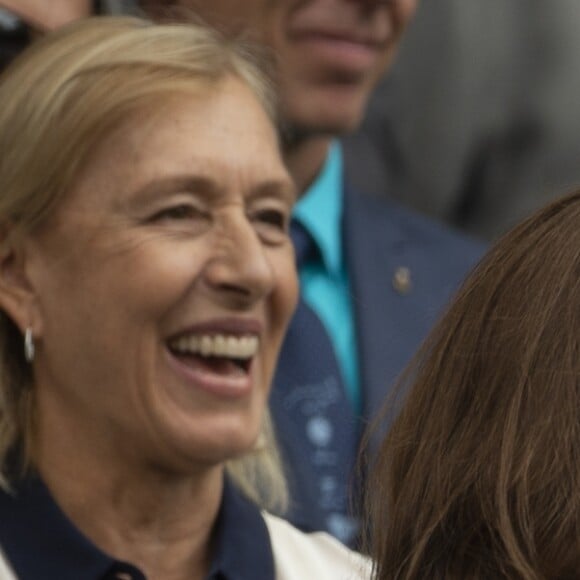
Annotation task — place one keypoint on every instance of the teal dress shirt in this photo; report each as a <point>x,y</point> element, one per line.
<point>325,283</point>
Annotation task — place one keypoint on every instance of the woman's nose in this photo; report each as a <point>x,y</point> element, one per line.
<point>240,269</point>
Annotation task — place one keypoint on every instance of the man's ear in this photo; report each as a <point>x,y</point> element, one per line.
<point>17,295</point>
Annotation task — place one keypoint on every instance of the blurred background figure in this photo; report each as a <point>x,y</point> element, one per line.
<point>479,475</point>
<point>23,20</point>
<point>477,124</point>
<point>374,277</point>
<point>146,282</point>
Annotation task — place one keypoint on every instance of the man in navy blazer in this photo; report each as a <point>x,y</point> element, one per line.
<point>384,273</point>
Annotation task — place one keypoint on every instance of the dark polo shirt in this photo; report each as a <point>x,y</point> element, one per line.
<point>41,543</point>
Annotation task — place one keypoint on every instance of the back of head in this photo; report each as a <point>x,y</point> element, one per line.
<point>479,475</point>
<point>60,99</point>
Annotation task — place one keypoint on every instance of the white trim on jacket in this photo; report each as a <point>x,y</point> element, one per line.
<point>314,556</point>
<point>6,572</point>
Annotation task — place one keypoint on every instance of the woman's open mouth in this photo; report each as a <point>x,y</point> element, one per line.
<point>216,362</point>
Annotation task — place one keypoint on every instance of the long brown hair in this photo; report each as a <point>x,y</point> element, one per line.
<point>479,476</point>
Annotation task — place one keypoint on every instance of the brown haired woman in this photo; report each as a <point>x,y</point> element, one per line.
<point>479,476</point>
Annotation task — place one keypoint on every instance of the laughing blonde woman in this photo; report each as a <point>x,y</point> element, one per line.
<point>146,281</point>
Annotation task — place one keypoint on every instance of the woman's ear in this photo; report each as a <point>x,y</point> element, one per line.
<point>17,295</point>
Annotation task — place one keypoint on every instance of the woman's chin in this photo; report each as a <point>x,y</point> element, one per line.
<point>196,451</point>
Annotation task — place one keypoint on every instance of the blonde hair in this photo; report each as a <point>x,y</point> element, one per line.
<point>59,100</point>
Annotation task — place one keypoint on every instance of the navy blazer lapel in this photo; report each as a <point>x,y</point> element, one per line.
<point>375,249</point>
<point>403,268</point>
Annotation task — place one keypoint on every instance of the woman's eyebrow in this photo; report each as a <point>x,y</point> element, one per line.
<point>281,188</point>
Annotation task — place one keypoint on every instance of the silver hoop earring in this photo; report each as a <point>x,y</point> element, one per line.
<point>28,345</point>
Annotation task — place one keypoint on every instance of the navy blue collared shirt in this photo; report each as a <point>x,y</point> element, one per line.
<point>41,543</point>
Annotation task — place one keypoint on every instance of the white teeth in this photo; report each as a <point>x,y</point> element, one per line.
<point>219,345</point>
<point>240,347</point>
<point>206,346</point>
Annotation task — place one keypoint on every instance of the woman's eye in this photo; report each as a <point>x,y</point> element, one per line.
<point>273,217</point>
<point>272,225</point>
<point>177,212</point>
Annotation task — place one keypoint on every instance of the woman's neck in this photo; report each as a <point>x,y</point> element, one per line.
<point>159,522</point>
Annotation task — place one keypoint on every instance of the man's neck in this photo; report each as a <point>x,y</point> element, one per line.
<point>305,159</point>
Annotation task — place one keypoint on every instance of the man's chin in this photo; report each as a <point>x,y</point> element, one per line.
<point>316,127</point>
<point>334,114</point>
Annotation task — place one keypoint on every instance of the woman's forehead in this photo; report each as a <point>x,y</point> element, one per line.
<point>223,137</point>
